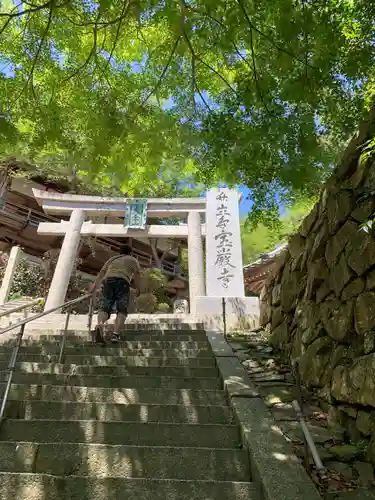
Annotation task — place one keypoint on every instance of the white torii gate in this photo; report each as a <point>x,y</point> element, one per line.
<point>217,214</point>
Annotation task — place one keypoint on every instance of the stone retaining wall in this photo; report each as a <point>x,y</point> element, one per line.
<point>319,306</point>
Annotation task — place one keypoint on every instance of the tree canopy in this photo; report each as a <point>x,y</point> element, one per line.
<point>265,238</point>
<point>256,93</point>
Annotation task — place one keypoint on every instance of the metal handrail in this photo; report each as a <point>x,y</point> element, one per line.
<point>22,324</point>
<point>19,308</point>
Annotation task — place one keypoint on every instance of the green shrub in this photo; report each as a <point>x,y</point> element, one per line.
<point>163,308</point>
<point>29,283</point>
<point>151,280</point>
<point>146,303</point>
<point>28,280</point>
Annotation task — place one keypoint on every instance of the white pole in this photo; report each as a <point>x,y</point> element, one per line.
<point>6,284</point>
<point>65,263</point>
<point>196,259</point>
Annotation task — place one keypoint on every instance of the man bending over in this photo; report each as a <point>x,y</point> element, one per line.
<point>117,273</point>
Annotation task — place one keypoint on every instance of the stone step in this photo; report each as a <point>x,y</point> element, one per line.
<point>104,360</point>
<point>121,433</point>
<point>161,325</point>
<point>47,487</point>
<point>112,350</point>
<point>164,327</point>
<point>180,328</point>
<point>135,381</point>
<point>117,370</point>
<point>53,324</point>
<point>178,345</point>
<point>121,461</point>
<point>60,410</point>
<point>124,396</point>
<point>141,336</point>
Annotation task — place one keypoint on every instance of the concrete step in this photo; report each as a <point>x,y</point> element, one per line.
<point>112,350</point>
<point>125,396</point>
<point>117,370</point>
<point>135,381</point>
<point>192,414</point>
<point>104,360</point>
<point>121,433</point>
<point>46,487</point>
<point>63,459</point>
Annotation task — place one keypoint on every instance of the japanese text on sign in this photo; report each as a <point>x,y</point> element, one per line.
<point>224,243</point>
<point>224,275</point>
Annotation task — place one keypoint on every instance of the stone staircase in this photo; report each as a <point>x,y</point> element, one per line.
<point>147,419</point>
<point>14,303</point>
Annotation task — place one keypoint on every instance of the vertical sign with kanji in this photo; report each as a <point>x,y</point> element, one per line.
<point>224,273</point>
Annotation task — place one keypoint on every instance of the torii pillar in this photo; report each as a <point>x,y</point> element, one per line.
<point>65,263</point>
<point>195,260</point>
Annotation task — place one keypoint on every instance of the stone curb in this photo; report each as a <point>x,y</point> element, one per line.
<point>218,344</point>
<point>236,381</point>
<point>274,466</point>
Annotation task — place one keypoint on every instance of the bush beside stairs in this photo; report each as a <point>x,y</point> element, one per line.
<point>147,419</point>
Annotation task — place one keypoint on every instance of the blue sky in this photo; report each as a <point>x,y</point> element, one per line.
<point>245,204</point>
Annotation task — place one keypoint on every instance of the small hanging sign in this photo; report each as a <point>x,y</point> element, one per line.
<point>136,214</point>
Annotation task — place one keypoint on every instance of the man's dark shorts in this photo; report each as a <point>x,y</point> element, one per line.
<point>115,291</point>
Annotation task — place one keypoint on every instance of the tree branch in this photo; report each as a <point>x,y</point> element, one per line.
<point>165,69</point>
<point>80,68</point>
<point>26,11</point>
<point>306,37</point>
<point>264,35</point>
<point>193,81</point>
<point>37,54</point>
<point>105,24</point>
<point>193,58</point>
<point>124,13</point>
<point>91,53</point>
<point>198,58</point>
<point>7,22</point>
<point>208,66</point>
<point>257,84</point>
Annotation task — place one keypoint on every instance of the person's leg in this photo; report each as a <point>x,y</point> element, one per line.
<point>102,317</point>
<point>105,309</point>
<point>119,323</point>
<point>122,301</point>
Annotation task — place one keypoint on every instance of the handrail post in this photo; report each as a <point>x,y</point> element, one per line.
<point>11,368</point>
<point>91,313</point>
<point>63,340</point>
<point>224,317</point>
